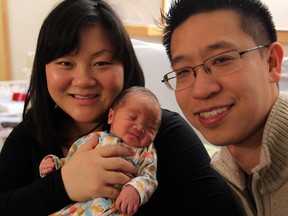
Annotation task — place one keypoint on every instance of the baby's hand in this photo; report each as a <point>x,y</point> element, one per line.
<point>128,201</point>
<point>46,166</point>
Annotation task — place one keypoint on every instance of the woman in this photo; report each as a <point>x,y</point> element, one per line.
<point>84,59</point>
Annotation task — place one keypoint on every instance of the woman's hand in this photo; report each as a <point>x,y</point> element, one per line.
<point>91,172</point>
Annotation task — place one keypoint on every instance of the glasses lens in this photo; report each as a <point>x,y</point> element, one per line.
<point>223,63</point>
<point>180,78</point>
<point>170,80</point>
<point>185,77</point>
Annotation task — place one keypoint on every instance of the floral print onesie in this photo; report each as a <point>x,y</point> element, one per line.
<point>144,182</point>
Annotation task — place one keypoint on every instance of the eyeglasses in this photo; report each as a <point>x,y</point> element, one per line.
<point>218,65</point>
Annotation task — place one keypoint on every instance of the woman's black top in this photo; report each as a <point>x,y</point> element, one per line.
<point>187,183</point>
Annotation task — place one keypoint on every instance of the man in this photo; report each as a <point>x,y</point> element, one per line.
<point>227,64</point>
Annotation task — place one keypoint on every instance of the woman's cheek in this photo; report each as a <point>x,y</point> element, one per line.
<point>56,79</point>
<point>116,79</point>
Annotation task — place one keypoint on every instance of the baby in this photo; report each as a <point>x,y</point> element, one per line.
<point>134,119</point>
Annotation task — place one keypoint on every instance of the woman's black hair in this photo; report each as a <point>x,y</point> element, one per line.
<point>59,36</point>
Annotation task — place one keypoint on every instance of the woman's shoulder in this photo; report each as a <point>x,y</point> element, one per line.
<point>168,115</point>
<point>173,126</point>
<point>21,129</point>
<point>22,135</point>
<point>175,120</point>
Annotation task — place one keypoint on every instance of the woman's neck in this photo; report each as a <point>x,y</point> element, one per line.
<point>76,130</point>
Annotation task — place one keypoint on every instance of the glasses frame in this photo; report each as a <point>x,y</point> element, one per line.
<point>166,79</point>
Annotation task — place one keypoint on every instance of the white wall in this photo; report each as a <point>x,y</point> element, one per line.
<point>279,10</point>
<point>25,19</point>
<point>26,16</point>
<point>137,11</point>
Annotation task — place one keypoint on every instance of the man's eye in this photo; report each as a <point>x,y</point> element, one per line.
<point>222,60</point>
<point>183,72</point>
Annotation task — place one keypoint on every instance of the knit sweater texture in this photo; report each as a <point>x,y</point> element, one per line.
<point>270,177</point>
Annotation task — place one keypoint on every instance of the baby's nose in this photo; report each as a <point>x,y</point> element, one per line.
<point>139,128</point>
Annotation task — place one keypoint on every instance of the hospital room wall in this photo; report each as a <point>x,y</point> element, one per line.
<point>26,17</point>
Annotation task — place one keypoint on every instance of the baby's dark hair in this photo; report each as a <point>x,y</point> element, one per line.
<point>121,98</point>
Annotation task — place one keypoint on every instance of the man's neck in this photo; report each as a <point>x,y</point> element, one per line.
<point>247,154</point>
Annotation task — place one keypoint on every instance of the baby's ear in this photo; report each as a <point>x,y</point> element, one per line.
<point>110,116</point>
<point>276,54</point>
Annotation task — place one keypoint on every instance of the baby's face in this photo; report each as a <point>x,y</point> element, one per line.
<point>137,121</point>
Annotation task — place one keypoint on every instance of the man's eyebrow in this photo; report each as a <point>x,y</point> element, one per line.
<point>219,45</point>
<point>177,59</point>
<point>208,48</point>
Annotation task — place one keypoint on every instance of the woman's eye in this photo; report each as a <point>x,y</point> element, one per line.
<point>99,64</point>
<point>66,64</point>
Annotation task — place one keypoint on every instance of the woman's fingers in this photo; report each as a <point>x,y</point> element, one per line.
<point>92,172</point>
<point>119,164</point>
<point>115,178</point>
<point>114,151</point>
<point>90,143</point>
<point>114,160</point>
<point>113,155</point>
<point>108,191</point>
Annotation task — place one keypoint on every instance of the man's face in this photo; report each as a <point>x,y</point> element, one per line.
<point>232,108</point>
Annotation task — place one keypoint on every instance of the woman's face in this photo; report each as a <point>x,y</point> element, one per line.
<point>85,83</point>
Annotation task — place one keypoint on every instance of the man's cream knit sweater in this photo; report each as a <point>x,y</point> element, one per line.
<point>270,178</point>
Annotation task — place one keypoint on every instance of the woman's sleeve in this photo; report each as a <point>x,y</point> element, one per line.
<point>187,185</point>
<point>22,190</point>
